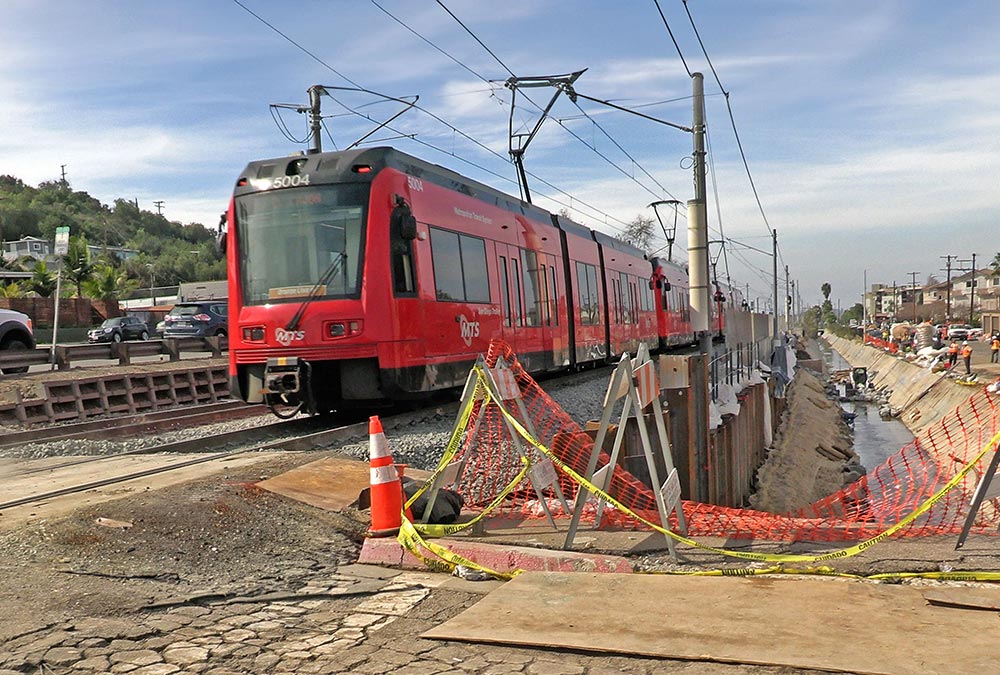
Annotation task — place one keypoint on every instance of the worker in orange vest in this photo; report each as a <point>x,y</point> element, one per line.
<point>967,357</point>
<point>952,354</point>
<point>994,348</point>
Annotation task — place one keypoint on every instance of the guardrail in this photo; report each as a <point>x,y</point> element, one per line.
<point>123,352</point>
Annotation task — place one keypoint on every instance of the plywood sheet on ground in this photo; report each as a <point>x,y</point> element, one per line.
<point>968,598</point>
<point>331,483</point>
<point>825,624</point>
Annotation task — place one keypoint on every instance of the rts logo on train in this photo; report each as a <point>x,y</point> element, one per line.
<point>286,337</point>
<point>467,329</point>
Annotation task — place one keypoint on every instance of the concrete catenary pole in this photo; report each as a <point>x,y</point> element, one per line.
<point>699,295</point>
<point>774,270</point>
<point>788,302</point>
<point>315,119</point>
<point>701,304</point>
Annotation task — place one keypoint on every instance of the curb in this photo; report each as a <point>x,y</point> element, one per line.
<point>388,552</point>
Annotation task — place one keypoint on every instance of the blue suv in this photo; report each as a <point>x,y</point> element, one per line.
<point>202,318</point>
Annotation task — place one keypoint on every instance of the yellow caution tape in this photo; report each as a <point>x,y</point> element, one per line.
<point>410,539</point>
<point>410,534</point>
<point>764,557</point>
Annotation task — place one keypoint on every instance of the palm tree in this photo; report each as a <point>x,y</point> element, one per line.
<point>77,264</point>
<point>108,283</point>
<point>43,281</point>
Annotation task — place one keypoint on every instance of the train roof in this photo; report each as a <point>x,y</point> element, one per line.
<point>329,167</point>
<point>617,244</point>
<point>336,167</point>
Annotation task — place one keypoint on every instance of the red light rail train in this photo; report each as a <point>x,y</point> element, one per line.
<point>370,275</point>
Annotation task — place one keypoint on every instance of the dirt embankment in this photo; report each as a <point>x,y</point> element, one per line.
<point>812,456</point>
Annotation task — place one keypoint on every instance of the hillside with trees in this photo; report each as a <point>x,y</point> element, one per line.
<point>169,253</point>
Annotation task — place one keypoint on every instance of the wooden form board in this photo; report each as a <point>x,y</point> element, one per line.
<point>331,483</point>
<point>825,624</point>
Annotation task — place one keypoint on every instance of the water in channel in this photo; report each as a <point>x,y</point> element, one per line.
<point>875,439</point>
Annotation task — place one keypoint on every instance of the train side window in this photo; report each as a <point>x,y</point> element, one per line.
<point>515,278</point>
<point>555,294</point>
<point>582,293</point>
<point>545,309</point>
<point>477,281</point>
<point>529,262</point>
<point>595,295</point>
<point>505,292</point>
<point>616,298</point>
<point>459,267</point>
<point>401,247</point>
<point>624,297</point>
<point>645,297</point>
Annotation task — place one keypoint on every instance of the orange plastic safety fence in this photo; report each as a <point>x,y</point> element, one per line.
<point>491,457</point>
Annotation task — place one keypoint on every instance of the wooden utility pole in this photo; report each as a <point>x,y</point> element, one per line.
<point>913,293</point>
<point>947,306</point>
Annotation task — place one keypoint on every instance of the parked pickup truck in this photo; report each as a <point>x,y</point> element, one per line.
<point>15,334</point>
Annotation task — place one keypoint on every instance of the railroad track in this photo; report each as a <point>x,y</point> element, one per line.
<point>134,425</point>
<point>303,437</point>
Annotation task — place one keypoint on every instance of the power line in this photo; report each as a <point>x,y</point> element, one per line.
<point>667,26</point>
<point>568,130</point>
<point>476,38</point>
<point>732,119</point>
<point>607,217</point>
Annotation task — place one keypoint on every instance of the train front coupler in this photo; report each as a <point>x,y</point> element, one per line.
<point>286,386</point>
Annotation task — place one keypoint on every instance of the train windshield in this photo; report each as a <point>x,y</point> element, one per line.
<point>300,242</point>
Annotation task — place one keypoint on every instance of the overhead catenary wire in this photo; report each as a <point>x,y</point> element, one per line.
<point>732,119</point>
<point>671,33</point>
<point>592,147</point>
<point>437,118</point>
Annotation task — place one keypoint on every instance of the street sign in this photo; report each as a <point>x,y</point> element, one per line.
<point>62,241</point>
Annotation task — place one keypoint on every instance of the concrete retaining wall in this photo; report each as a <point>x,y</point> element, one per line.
<point>922,396</point>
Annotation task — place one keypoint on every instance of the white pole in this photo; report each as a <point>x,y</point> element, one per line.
<point>55,322</point>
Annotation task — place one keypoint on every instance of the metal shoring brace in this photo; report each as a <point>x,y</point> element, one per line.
<point>978,497</point>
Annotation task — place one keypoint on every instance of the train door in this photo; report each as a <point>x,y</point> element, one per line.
<point>537,311</point>
<point>507,262</point>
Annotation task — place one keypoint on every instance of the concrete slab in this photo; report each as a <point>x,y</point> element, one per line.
<point>501,558</point>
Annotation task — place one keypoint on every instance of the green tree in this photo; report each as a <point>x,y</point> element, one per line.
<point>43,281</point>
<point>826,289</point>
<point>77,265</point>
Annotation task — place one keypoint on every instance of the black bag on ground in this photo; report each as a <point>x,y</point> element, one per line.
<point>447,506</point>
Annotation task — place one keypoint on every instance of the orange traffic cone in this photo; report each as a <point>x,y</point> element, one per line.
<point>386,489</point>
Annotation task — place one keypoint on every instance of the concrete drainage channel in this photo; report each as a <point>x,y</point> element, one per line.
<point>80,399</point>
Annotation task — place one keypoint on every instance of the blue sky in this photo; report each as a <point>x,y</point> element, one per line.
<point>872,130</point>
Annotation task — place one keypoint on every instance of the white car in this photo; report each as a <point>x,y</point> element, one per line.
<point>958,331</point>
<point>15,335</point>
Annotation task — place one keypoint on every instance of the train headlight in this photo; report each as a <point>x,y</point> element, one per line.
<point>339,329</point>
<point>253,334</point>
